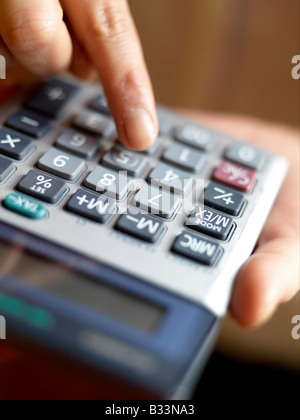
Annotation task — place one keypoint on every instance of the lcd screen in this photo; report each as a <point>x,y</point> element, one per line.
<point>74,286</point>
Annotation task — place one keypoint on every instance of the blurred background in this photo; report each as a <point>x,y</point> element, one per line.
<point>232,56</point>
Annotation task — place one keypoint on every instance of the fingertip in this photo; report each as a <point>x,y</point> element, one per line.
<point>257,291</point>
<point>140,130</point>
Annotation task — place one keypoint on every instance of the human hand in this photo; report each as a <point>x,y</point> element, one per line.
<point>100,37</point>
<point>271,275</point>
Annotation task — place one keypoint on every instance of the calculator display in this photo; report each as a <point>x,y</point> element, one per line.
<point>74,286</point>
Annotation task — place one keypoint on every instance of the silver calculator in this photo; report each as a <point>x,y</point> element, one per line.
<point>121,260</point>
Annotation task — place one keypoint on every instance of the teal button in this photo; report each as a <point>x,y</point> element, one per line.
<point>24,206</point>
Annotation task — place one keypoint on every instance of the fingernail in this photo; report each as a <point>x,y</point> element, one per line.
<point>139,128</point>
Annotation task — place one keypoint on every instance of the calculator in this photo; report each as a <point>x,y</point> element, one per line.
<point>123,261</point>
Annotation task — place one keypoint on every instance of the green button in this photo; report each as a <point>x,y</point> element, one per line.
<point>24,206</point>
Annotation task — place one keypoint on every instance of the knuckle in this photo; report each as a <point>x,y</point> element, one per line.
<point>108,22</point>
<point>28,35</point>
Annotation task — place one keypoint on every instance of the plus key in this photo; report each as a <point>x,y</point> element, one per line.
<point>235,176</point>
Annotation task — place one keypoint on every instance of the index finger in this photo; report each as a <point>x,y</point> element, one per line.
<point>106,30</point>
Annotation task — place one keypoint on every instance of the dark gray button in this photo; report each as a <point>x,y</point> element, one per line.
<point>197,248</point>
<point>153,151</point>
<point>91,206</point>
<point>172,179</point>
<point>114,184</point>
<point>7,168</point>
<point>141,226</point>
<point>41,186</point>
<point>157,202</point>
<point>30,123</point>
<point>165,123</point>
<point>52,98</point>
<point>185,157</point>
<point>15,145</point>
<point>223,198</point>
<point>100,104</point>
<point>196,136</point>
<point>62,164</point>
<point>208,221</point>
<point>125,160</point>
<point>246,155</point>
<point>78,143</point>
<point>95,123</point>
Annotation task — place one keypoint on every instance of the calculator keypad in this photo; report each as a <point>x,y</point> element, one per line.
<point>207,221</point>
<point>150,187</point>
<point>246,155</point>
<point>114,184</point>
<point>30,123</point>
<point>223,198</point>
<point>98,124</point>
<point>141,226</point>
<point>52,98</point>
<point>197,248</point>
<point>91,206</point>
<point>196,136</point>
<point>41,186</point>
<point>157,202</point>
<point>15,145</point>
<point>62,164</point>
<point>185,157</point>
<point>235,176</point>
<point>125,160</point>
<point>78,143</point>
<point>7,168</point>
<point>172,179</point>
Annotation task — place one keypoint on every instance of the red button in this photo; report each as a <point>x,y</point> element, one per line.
<point>235,176</point>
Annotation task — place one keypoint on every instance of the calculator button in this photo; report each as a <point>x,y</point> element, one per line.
<point>235,176</point>
<point>196,136</point>
<point>100,104</point>
<point>78,143</point>
<point>7,168</point>
<point>30,123</point>
<point>141,226</point>
<point>42,187</point>
<point>223,198</point>
<point>25,207</point>
<point>91,206</point>
<point>15,145</point>
<point>62,165</point>
<point>185,157</point>
<point>95,123</point>
<point>172,179</point>
<point>246,155</point>
<point>157,202</point>
<point>165,123</point>
<point>206,220</point>
<point>125,160</point>
<point>197,248</point>
<point>114,184</point>
<point>52,98</point>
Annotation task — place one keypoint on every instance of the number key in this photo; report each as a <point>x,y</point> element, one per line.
<point>78,143</point>
<point>115,185</point>
<point>125,160</point>
<point>62,165</point>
